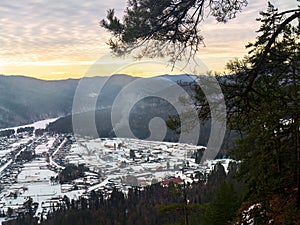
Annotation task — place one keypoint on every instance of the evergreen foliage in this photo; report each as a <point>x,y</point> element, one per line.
<point>7,132</point>
<point>72,172</point>
<point>264,106</point>
<point>223,208</point>
<point>168,27</point>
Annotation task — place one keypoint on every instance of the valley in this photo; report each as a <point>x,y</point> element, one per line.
<point>43,170</point>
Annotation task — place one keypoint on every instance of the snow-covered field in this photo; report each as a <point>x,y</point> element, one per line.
<point>37,125</point>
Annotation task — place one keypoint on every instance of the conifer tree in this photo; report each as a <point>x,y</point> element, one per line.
<point>223,209</point>
<point>168,27</point>
<point>263,104</point>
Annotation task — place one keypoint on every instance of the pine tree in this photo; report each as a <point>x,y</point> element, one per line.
<point>165,27</point>
<point>223,209</point>
<point>263,102</point>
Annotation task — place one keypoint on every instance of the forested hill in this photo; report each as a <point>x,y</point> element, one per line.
<point>24,100</point>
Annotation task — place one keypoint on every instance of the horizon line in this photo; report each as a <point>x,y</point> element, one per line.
<point>78,78</point>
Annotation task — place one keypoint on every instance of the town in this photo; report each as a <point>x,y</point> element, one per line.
<point>40,169</point>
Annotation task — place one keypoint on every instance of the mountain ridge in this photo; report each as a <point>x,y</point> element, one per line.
<point>27,99</point>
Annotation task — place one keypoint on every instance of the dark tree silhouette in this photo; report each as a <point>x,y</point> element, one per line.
<point>168,27</point>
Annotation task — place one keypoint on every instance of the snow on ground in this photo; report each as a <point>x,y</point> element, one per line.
<point>37,125</point>
<point>103,183</point>
<point>12,144</point>
<point>42,148</point>
<point>4,152</point>
<point>211,163</point>
<point>2,220</point>
<point>57,149</point>
<point>43,123</point>
<point>5,165</point>
<point>110,158</point>
<point>35,175</point>
<point>42,191</point>
<point>153,160</point>
<point>19,153</point>
<point>20,141</point>
<point>52,162</point>
<point>34,182</point>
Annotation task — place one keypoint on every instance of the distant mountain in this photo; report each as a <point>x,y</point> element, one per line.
<point>24,100</point>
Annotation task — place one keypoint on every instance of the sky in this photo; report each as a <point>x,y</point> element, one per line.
<point>51,39</point>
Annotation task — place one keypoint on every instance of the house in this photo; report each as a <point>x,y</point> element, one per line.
<point>174,180</point>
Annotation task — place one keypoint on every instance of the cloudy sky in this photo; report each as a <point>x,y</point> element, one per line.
<point>51,39</point>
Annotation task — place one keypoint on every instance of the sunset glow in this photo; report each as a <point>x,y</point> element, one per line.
<point>51,40</point>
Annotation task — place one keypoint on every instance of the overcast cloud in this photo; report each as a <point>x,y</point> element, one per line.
<point>69,31</point>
